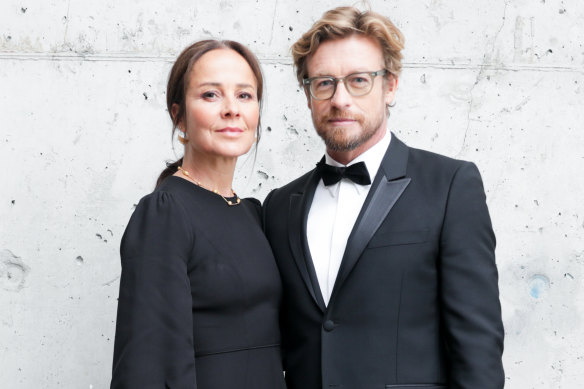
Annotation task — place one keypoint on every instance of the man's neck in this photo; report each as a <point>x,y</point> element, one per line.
<point>345,157</point>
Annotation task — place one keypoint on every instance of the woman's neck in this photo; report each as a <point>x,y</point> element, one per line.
<point>213,173</point>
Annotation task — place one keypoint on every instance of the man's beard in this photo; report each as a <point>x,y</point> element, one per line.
<point>336,139</point>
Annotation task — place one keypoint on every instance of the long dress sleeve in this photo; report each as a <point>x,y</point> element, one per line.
<point>154,330</point>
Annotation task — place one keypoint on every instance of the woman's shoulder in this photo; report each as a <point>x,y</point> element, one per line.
<point>173,185</point>
<point>162,207</point>
<point>173,192</point>
<point>254,205</point>
<point>253,202</point>
<point>163,199</point>
<point>158,217</point>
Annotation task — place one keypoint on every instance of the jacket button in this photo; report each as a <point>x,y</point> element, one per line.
<point>329,325</point>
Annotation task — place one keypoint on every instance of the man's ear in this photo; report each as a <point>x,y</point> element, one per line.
<point>308,99</point>
<point>390,89</point>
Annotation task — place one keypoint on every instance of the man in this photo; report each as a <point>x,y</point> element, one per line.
<point>388,269</point>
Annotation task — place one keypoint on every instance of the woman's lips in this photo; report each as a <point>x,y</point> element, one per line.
<point>230,130</point>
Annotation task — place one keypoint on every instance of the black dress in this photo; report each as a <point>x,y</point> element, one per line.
<point>199,295</point>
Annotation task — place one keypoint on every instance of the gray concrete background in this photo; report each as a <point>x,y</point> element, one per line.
<point>84,133</point>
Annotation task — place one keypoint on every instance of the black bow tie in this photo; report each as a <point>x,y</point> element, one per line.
<point>332,174</point>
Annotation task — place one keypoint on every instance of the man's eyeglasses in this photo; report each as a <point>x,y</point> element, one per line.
<point>357,84</point>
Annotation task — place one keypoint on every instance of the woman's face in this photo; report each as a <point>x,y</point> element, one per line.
<point>222,109</point>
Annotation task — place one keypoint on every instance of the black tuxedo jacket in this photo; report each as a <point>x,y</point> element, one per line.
<point>415,303</point>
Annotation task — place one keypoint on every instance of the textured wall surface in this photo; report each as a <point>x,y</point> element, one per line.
<point>84,132</point>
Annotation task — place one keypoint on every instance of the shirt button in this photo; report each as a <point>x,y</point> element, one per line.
<point>329,325</point>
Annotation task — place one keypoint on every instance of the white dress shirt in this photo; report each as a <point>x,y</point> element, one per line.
<point>333,213</point>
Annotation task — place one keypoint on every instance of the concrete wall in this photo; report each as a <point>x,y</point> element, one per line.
<point>84,132</point>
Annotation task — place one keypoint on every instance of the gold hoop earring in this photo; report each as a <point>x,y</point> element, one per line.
<point>183,139</point>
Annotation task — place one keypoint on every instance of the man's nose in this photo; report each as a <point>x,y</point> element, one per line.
<point>342,97</point>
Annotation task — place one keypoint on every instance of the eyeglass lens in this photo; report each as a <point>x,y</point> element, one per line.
<point>357,84</point>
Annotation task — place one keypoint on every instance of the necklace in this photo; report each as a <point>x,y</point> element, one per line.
<point>229,202</point>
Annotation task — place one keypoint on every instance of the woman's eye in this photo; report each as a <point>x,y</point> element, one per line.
<point>246,96</point>
<point>210,95</point>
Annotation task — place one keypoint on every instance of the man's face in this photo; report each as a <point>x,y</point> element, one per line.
<point>350,125</point>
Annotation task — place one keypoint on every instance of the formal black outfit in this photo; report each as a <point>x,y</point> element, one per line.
<point>415,302</point>
<point>199,295</point>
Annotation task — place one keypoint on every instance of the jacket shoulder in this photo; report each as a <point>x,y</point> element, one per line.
<point>434,163</point>
<point>440,160</point>
<point>294,186</point>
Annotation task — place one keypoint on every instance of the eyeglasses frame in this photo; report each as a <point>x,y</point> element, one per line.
<point>308,81</point>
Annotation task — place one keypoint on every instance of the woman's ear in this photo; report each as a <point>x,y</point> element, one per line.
<point>174,112</point>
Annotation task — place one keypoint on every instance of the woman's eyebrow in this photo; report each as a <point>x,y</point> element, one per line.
<point>218,84</point>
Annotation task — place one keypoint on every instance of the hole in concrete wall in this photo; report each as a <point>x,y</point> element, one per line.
<point>13,271</point>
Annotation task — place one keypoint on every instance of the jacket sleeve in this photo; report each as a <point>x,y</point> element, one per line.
<point>265,211</point>
<point>154,330</point>
<point>283,322</point>
<point>471,310</point>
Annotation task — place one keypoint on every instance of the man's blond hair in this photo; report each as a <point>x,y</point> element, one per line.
<point>343,22</point>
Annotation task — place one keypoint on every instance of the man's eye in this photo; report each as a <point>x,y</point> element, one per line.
<point>358,80</point>
<point>323,83</point>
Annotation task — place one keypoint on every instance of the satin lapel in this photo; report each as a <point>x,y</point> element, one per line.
<point>297,217</point>
<point>388,185</point>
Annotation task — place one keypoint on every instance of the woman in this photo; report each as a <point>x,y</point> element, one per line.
<point>199,291</point>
